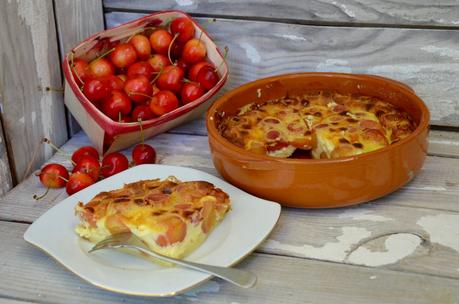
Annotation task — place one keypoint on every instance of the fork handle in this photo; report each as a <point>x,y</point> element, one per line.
<point>238,277</point>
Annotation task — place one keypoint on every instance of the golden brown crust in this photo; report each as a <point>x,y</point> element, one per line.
<point>332,125</point>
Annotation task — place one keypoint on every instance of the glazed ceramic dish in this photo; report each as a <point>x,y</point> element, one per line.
<point>321,183</point>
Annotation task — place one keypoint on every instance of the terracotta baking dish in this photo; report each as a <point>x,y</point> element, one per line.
<point>324,183</point>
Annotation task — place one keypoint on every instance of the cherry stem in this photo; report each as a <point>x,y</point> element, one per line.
<point>141,130</point>
<point>157,75</point>
<point>49,142</point>
<point>170,47</point>
<point>54,89</point>
<point>103,55</point>
<point>186,80</point>
<point>139,94</point>
<point>119,116</point>
<point>39,197</point>
<point>225,56</point>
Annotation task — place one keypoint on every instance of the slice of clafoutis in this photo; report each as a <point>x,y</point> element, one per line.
<point>173,218</point>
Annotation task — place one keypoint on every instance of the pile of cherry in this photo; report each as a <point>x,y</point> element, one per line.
<point>87,168</point>
<point>144,76</point>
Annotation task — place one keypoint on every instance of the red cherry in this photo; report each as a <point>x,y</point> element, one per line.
<point>194,51</point>
<point>160,40</point>
<point>163,102</point>
<point>190,92</point>
<point>158,62</point>
<point>53,176</point>
<point>78,181</point>
<point>183,65</point>
<point>114,163</point>
<point>195,68</point>
<point>143,112</point>
<point>84,151</point>
<point>140,68</point>
<point>117,103</point>
<point>143,154</point>
<point>100,67</point>
<point>88,165</point>
<point>138,89</point>
<point>124,55</point>
<point>184,27</point>
<point>114,82</point>
<point>80,71</point>
<point>96,90</point>
<point>170,79</point>
<point>207,77</point>
<point>141,45</point>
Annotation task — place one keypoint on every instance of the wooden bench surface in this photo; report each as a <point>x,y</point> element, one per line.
<point>403,248</point>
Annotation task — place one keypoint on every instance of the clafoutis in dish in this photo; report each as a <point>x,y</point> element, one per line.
<point>172,217</point>
<point>317,125</point>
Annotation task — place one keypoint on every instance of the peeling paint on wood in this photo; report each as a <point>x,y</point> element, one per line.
<point>442,228</point>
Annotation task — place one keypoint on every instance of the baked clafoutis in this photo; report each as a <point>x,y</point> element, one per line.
<point>316,125</point>
<point>173,218</point>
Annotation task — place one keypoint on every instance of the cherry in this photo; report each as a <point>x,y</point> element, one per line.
<point>194,51</point>
<point>118,103</point>
<point>141,45</point>
<point>138,89</point>
<point>114,82</point>
<point>170,79</point>
<point>100,67</point>
<point>84,151</point>
<point>158,62</point>
<point>183,65</point>
<point>53,176</point>
<point>78,181</point>
<point>184,27</point>
<point>80,71</point>
<point>142,112</point>
<point>114,163</point>
<point>140,68</point>
<point>163,102</point>
<point>195,68</point>
<point>207,77</point>
<point>123,55</point>
<point>143,154</point>
<point>160,41</point>
<point>96,90</point>
<point>190,92</point>
<point>89,165</point>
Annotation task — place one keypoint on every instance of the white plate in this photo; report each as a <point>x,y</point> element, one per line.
<point>244,228</point>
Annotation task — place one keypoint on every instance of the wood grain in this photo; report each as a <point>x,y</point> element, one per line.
<point>426,60</point>
<point>6,182</point>
<point>280,280</point>
<point>76,21</point>
<point>29,63</point>
<point>375,12</point>
<point>431,195</point>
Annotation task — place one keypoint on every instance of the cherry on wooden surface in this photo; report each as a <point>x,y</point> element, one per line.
<point>84,151</point>
<point>89,165</point>
<point>53,175</point>
<point>114,163</point>
<point>78,181</point>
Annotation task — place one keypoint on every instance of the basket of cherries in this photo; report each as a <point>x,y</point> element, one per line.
<point>161,69</point>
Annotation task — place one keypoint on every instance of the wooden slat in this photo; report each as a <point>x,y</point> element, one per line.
<point>29,64</point>
<point>431,196</point>
<point>5,173</point>
<point>376,12</point>
<point>280,280</point>
<point>424,59</point>
<point>76,21</point>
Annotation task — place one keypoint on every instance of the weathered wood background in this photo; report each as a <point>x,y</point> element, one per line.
<point>402,248</point>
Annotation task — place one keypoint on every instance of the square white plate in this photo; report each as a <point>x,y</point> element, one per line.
<point>244,228</point>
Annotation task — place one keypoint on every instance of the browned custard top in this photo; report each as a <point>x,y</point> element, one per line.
<point>317,125</point>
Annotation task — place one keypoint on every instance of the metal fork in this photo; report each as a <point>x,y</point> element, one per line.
<point>238,277</point>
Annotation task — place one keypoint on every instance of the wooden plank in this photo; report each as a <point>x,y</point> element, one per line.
<point>375,12</point>
<point>427,207</point>
<point>6,182</point>
<point>280,280</point>
<point>76,21</point>
<point>426,60</point>
<point>29,64</point>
